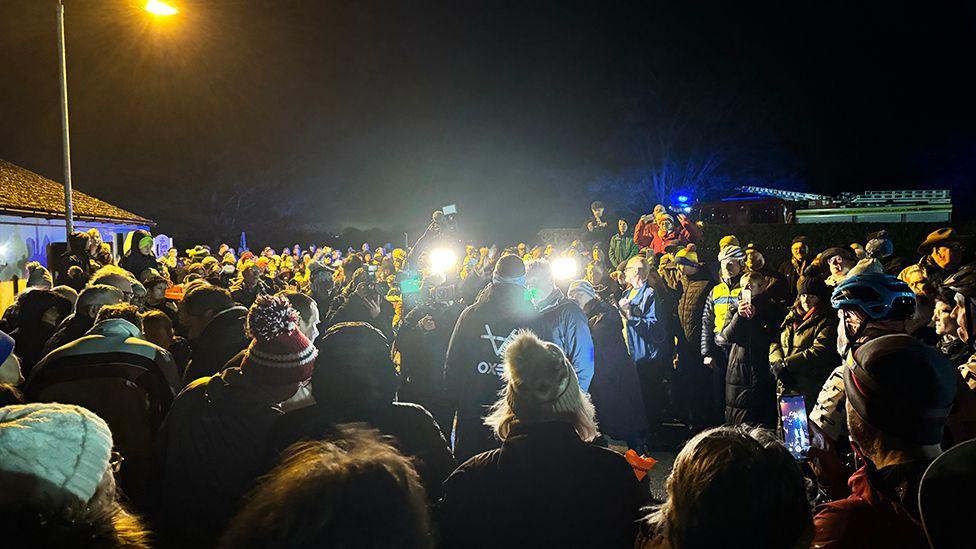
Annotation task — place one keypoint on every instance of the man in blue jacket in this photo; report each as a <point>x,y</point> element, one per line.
<point>562,320</point>
<point>645,334</point>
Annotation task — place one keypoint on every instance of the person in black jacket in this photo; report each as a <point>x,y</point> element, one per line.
<point>692,378</point>
<point>422,344</point>
<point>90,300</point>
<point>750,390</point>
<point>215,327</point>
<point>615,388</point>
<point>140,256</point>
<point>546,486</point>
<point>76,256</point>
<point>474,355</point>
<point>356,382</point>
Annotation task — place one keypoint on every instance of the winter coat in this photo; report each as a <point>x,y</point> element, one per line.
<point>615,388</point>
<point>414,432</point>
<point>808,347</point>
<point>543,488</point>
<point>137,263</point>
<point>882,511</point>
<point>223,338</point>
<point>646,235</point>
<point>245,296</point>
<point>778,286</point>
<point>31,334</point>
<point>76,256</point>
<point>212,447</point>
<point>91,527</point>
<point>475,361</point>
<point>644,331</point>
<point>793,270</point>
<point>750,393</point>
<point>622,248</point>
<point>954,349</point>
<point>127,381</point>
<point>422,358</point>
<point>564,324</point>
<point>721,303</point>
<point>691,306</point>
<point>71,329</point>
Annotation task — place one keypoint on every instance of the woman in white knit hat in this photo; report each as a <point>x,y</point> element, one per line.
<point>546,486</point>
<point>57,487</point>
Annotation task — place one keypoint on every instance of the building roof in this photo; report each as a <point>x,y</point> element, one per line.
<point>23,192</point>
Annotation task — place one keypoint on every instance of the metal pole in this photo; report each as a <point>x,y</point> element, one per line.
<point>68,207</point>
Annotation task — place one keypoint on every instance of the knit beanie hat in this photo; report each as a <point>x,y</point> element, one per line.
<point>901,387</point>
<point>541,381</point>
<point>510,269</point>
<point>66,446</point>
<point>279,354</point>
<point>730,240</point>
<point>732,252</point>
<point>581,287</point>
<point>687,256</point>
<point>38,276</point>
<point>810,283</point>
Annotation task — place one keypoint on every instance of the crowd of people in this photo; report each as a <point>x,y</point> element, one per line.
<point>386,396</point>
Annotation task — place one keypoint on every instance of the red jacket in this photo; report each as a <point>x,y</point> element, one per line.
<point>867,518</point>
<point>646,235</point>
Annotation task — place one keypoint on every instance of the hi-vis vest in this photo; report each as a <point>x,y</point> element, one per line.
<point>722,299</point>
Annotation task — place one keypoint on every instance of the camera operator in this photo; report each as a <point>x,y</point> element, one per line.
<point>365,303</point>
<point>422,343</point>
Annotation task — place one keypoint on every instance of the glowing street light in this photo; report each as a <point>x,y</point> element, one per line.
<point>161,9</point>
<point>153,6</point>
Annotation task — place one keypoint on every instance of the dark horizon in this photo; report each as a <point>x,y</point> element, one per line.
<point>373,115</point>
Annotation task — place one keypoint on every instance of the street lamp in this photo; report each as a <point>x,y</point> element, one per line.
<point>155,7</point>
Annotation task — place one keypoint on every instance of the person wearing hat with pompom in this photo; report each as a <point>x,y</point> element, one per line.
<point>474,355</point>
<point>720,305</point>
<point>546,486</point>
<point>216,437</point>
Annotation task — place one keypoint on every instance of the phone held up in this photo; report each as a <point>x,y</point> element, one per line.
<point>796,431</point>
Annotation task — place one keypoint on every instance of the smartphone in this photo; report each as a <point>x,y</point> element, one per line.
<point>746,296</point>
<point>796,430</point>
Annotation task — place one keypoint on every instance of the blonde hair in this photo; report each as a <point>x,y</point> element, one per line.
<point>502,415</point>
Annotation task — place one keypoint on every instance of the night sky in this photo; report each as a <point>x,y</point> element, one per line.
<point>373,113</point>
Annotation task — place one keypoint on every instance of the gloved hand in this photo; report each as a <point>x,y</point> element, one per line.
<point>779,371</point>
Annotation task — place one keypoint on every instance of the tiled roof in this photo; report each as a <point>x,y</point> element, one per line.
<point>25,192</point>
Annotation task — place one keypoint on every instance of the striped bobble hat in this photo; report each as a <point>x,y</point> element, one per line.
<point>279,353</point>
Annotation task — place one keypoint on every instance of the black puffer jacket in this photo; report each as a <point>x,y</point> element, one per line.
<point>475,358</point>
<point>543,488</point>
<point>223,338</point>
<point>750,393</point>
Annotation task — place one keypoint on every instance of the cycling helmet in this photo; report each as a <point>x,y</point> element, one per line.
<point>880,296</point>
<point>963,281</point>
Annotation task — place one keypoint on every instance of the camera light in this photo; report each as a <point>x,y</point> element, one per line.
<point>442,260</point>
<point>565,268</point>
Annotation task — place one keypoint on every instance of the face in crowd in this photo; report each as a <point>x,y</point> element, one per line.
<point>947,256</point>
<point>945,323</point>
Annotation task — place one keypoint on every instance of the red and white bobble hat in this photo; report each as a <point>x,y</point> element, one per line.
<point>279,354</point>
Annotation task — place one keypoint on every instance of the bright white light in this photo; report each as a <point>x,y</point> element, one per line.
<point>3,249</point>
<point>442,260</point>
<point>156,7</point>
<point>565,268</point>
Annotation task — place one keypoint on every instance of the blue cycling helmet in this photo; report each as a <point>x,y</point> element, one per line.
<point>881,296</point>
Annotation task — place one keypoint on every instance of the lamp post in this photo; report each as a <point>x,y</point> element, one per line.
<point>153,6</point>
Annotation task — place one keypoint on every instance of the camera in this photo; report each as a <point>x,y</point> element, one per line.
<point>444,294</point>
